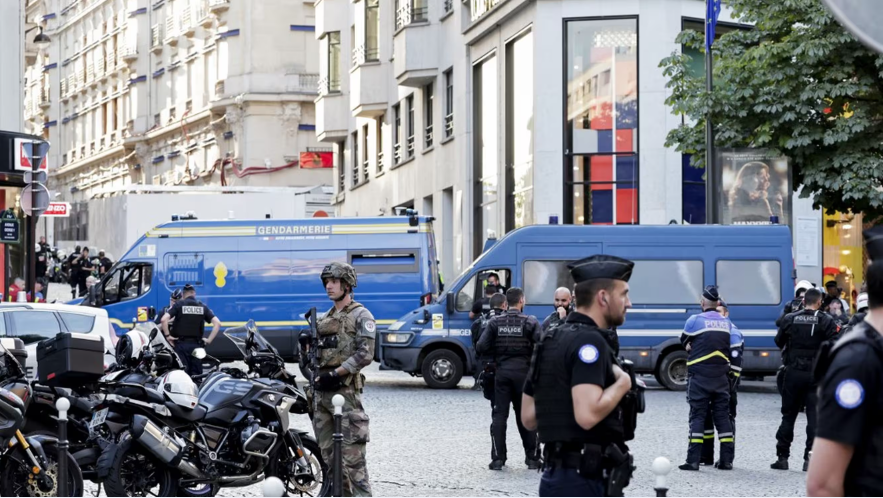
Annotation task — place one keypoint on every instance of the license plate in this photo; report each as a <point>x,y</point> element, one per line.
<point>98,418</point>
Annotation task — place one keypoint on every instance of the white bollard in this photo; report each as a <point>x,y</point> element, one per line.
<point>338,401</point>
<point>273,487</point>
<point>661,468</point>
<point>62,405</point>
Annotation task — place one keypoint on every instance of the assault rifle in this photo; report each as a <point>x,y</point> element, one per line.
<point>309,356</point>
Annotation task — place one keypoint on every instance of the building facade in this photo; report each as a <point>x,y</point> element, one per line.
<point>494,114</point>
<point>173,93</point>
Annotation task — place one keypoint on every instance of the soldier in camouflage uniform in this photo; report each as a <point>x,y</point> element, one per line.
<point>339,373</point>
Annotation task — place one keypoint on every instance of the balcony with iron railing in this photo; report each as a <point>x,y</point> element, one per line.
<point>427,137</point>
<point>449,125</point>
<point>368,84</point>
<point>380,162</point>
<point>110,61</point>
<point>171,34</point>
<point>415,45</point>
<point>128,54</point>
<point>411,143</point>
<point>99,66</point>
<point>410,12</point>
<point>187,27</point>
<point>45,103</point>
<point>481,7</point>
<point>397,153</point>
<point>328,86</point>
<point>448,7</point>
<point>156,37</point>
<point>216,6</point>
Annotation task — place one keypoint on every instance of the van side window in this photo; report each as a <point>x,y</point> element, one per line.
<point>750,282</point>
<point>666,282</point>
<point>385,261</point>
<point>541,278</point>
<point>76,322</point>
<point>466,295</point>
<point>184,268</point>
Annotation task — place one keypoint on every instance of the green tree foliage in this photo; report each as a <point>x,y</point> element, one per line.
<point>798,83</point>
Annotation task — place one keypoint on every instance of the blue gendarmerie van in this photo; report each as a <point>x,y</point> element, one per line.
<point>752,265</point>
<point>268,270</point>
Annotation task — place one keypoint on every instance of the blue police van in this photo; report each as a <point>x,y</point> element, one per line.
<point>752,265</point>
<point>268,270</point>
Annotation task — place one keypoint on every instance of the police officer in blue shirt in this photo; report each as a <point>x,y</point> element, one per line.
<point>737,348</point>
<point>707,340</point>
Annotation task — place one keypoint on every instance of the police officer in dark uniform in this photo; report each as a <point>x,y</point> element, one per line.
<point>563,305</point>
<point>176,295</point>
<point>485,362</point>
<point>479,314</point>
<point>510,338</point>
<point>190,317</point>
<point>802,333</point>
<point>847,453</point>
<point>737,348</point>
<point>707,340</point>
<point>577,392</point>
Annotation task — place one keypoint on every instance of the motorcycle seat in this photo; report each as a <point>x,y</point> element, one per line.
<point>182,413</point>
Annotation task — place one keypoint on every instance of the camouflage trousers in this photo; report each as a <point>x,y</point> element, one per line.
<point>355,434</point>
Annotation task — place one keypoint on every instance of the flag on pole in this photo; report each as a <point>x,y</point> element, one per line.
<point>712,11</point>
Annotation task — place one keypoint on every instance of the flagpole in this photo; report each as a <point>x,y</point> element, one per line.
<point>711,207</point>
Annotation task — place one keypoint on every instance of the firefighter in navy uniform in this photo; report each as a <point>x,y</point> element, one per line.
<point>707,340</point>
<point>847,453</point>
<point>578,397</point>
<point>802,333</point>
<point>510,338</point>
<point>190,317</point>
<point>737,348</point>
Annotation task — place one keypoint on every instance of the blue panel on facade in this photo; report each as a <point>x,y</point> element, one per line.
<point>626,169</point>
<point>605,140</point>
<point>142,10</point>
<point>694,203</point>
<point>228,34</point>
<point>301,27</point>
<point>602,206</point>
<point>306,127</point>
<point>627,114</point>
<point>691,173</point>
<point>49,16</point>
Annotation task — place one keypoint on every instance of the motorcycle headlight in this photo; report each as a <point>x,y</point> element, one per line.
<point>393,338</point>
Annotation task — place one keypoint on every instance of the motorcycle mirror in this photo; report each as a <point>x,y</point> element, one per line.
<point>199,353</point>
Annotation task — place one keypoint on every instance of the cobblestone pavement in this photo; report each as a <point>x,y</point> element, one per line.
<point>426,442</point>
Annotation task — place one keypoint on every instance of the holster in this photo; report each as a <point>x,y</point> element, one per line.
<point>619,466</point>
<point>487,380</point>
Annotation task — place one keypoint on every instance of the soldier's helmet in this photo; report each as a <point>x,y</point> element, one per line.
<point>340,271</point>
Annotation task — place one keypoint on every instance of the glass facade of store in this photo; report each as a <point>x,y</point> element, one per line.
<point>601,121</point>
<point>843,254</point>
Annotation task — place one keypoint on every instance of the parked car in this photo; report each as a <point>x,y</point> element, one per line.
<point>35,322</point>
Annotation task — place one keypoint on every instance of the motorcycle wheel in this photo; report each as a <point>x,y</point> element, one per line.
<point>199,491</point>
<point>14,479</point>
<point>281,468</point>
<point>137,474</point>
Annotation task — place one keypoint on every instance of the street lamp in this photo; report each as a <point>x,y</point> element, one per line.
<point>42,40</point>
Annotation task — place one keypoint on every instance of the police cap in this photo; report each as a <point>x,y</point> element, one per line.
<point>189,288</point>
<point>601,266</point>
<point>711,293</point>
<point>874,242</point>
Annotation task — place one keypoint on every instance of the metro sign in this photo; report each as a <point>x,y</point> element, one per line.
<point>23,158</point>
<point>58,209</point>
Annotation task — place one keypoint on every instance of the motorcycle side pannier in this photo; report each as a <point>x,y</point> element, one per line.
<point>70,360</point>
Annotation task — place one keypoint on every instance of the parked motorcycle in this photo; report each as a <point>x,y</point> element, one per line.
<point>28,464</point>
<point>232,432</point>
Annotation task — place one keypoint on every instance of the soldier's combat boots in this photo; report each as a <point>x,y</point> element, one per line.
<point>780,464</point>
<point>496,465</point>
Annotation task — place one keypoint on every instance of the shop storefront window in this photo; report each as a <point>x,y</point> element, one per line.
<point>844,260</point>
<point>602,122</point>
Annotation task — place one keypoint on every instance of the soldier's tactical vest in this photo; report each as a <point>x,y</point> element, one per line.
<point>343,325</point>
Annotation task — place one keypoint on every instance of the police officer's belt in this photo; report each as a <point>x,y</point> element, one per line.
<point>186,339</point>
<point>589,460</point>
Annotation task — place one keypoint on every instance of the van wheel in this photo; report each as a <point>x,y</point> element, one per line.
<point>673,371</point>
<point>442,369</point>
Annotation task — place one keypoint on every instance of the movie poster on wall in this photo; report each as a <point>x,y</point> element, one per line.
<point>755,187</point>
